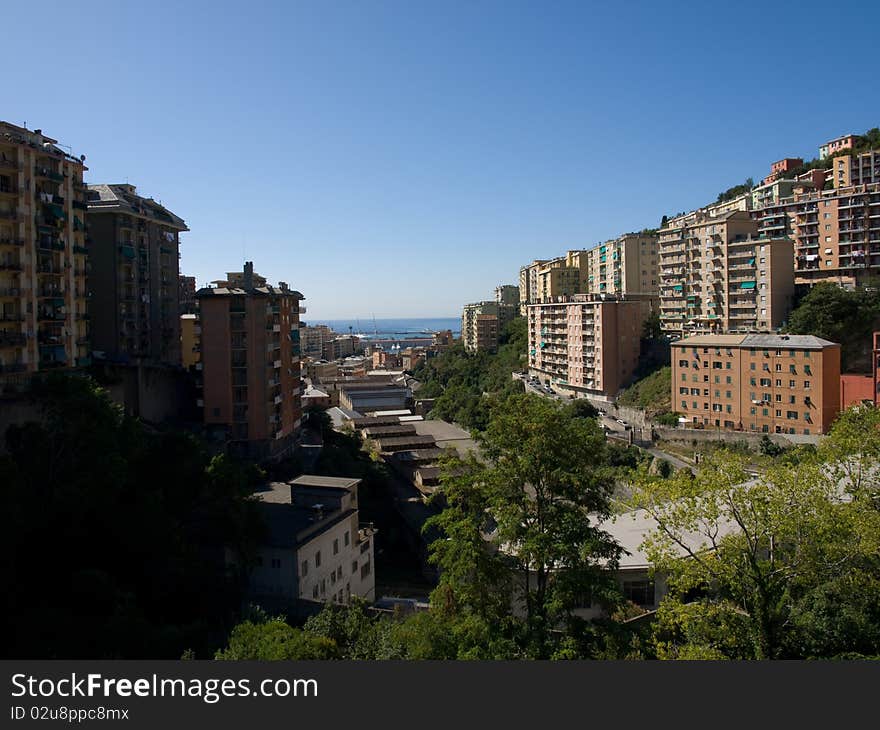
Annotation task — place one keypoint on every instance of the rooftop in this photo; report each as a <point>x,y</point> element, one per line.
<point>123,198</point>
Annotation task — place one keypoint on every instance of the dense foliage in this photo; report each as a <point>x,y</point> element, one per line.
<point>112,540</point>
<point>464,384</point>
<point>735,191</point>
<point>652,393</point>
<point>840,315</point>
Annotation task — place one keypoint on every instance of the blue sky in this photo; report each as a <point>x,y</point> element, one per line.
<point>403,158</point>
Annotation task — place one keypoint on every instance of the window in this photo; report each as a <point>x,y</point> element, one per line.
<point>315,591</point>
<point>276,562</point>
<point>806,385</point>
<point>728,394</point>
<point>304,568</point>
<point>791,415</point>
<point>365,570</point>
<point>354,567</point>
<point>728,380</point>
<point>346,538</point>
<point>640,592</point>
<point>336,546</point>
<point>717,379</point>
<point>318,559</point>
<point>791,383</point>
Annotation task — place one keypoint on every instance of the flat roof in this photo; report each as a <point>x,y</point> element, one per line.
<point>312,480</point>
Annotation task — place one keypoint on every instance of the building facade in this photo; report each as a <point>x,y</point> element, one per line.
<point>251,366</point>
<point>134,277</point>
<point>507,294</point>
<point>316,549</point>
<point>528,284</point>
<point>44,259</point>
<point>761,383</point>
<point>858,169</point>
<point>586,344</point>
<point>482,322</point>
<point>724,274</point>
<point>625,265</point>
<point>845,142</point>
<point>187,294</point>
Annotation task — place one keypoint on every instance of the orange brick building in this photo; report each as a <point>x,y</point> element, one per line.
<point>761,383</point>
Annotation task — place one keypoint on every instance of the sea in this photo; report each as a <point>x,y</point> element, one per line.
<point>390,329</point>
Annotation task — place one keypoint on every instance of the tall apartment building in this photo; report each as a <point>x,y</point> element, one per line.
<point>43,255</point>
<point>507,294</point>
<point>720,274</point>
<point>761,383</point>
<point>528,284</point>
<point>482,322</point>
<point>187,294</point>
<point>836,232</point>
<point>587,344</point>
<point>625,265</point>
<point>859,169</point>
<point>560,277</point>
<point>134,278</point>
<point>781,167</point>
<point>312,339</point>
<point>251,365</point>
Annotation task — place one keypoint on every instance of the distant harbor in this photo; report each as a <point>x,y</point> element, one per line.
<point>402,331</point>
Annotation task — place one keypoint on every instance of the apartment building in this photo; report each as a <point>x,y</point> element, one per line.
<point>528,284</point>
<point>723,274</point>
<point>44,311</point>
<point>187,294</point>
<point>586,344</point>
<point>482,322</point>
<point>625,265</point>
<point>190,340</point>
<point>859,169</point>
<point>315,549</point>
<point>845,142</point>
<point>251,365</point>
<point>135,278</point>
<point>836,232</point>
<point>780,167</point>
<point>762,383</point>
<point>312,339</point>
<point>507,294</point>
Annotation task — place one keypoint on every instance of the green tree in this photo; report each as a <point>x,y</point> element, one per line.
<point>747,551</point>
<point>530,512</point>
<point>275,640</point>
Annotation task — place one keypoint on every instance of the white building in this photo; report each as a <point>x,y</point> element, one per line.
<point>315,550</point>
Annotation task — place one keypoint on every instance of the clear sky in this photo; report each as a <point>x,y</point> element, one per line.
<point>404,158</point>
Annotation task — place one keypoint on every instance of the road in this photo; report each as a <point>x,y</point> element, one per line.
<point>613,427</point>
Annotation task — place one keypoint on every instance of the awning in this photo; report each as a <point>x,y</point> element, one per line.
<point>127,251</point>
<point>747,285</point>
<point>57,211</point>
<point>678,287</point>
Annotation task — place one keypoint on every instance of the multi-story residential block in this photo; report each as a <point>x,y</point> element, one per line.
<point>845,142</point>
<point>587,344</point>
<point>312,339</point>
<point>723,274</point>
<point>187,294</point>
<point>626,265</point>
<point>43,256</point>
<point>779,168</point>
<point>528,284</point>
<point>763,383</point>
<point>190,340</point>
<point>251,365</point>
<point>135,278</point>
<point>858,169</point>
<point>560,277</point>
<point>482,322</point>
<point>836,232</point>
<point>316,549</point>
<point>507,294</point>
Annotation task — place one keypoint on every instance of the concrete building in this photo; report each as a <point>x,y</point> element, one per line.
<point>845,142</point>
<point>186,294</point>
<point>723,273</point>
<point>779,168</point>
<point>507,294</point>
<point>251,365</point>
<point>134,279</point>
<point>859,169</point>
<point>315,398</point>
<point>190,340</point>
<point>761,383</point>
<point>44,309</point>
<point>836,232</point>
<point>374,397</point>
<point>320,370</point>
<point>528,284</point>
<point>587,344</point>
<point>442,340</point>
<point>482,322</point>
<point>626,265</point>
<point>312,339</point>
<point>316,550</point>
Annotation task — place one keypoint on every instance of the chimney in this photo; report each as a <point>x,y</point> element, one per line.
<point>248,275</point>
